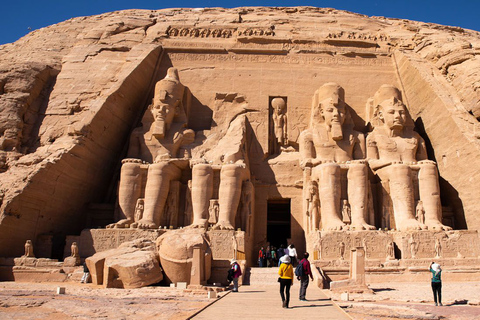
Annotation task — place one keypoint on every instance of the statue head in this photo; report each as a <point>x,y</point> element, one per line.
<point>329,107</point>
<point>389,108</point>
<point>167,102</point>
<point>279,106</point>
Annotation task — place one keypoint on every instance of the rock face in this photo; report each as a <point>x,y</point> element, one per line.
<point>133,264</point>
<point>72,94</point>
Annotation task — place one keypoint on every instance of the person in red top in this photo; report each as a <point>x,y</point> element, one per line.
<point>237,272</point>
<point>262,258</point>
<point>307,272</point>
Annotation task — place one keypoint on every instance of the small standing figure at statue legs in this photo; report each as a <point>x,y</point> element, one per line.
<point>438,248</point>
<point>74,250</point>
<point>29,249</point>
<point>420,212</point>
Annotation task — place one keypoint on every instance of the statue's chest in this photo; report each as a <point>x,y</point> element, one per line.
<point>398,145</point>
<point>325,145</point>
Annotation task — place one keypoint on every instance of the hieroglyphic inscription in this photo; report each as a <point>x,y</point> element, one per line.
<point>337,245</point>
<point>221,243</point>
<point>283,59</point>
<point>96,240</point>
<point>194,32</point>
<point>453,244</point>
<point>358,36</point>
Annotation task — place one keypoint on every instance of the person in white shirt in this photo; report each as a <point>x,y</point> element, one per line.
<point>292,252</point>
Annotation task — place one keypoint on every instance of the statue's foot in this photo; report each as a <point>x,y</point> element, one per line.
<point>134,225</point>
<point>361,226</point>
<point>336,226</point>
<point>146,224</point>
<point>223,225</point>
<point>410,224</point>
<point>196,226</point>
<point>436,225</point>
<point>120,224</point>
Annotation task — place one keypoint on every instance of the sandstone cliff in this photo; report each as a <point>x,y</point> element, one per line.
<point>71,93</point>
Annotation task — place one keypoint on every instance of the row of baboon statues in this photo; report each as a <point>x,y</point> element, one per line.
<point>329,149</point>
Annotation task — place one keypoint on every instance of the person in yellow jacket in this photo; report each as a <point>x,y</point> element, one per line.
<point>286,279</point>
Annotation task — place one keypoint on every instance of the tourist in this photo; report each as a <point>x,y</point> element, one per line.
<point>280,253</point>
<point>237,272</point>
<point>292,252</point>
<point>261,258</point>
<point>86,273</point>
<point>307,272</point>
<point>286,279</point>
<point>436,282</point>
<point>274,256</point>
<point>268,256</point>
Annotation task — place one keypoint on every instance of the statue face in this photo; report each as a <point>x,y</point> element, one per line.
<point>163,112</point>
<point>333,111</point>
<point>393,114</point>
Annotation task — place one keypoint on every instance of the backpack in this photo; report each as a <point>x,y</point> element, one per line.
<point>299,271</point>
<point>230,275</point>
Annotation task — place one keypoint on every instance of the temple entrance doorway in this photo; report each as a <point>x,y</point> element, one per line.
<point>278,222</point>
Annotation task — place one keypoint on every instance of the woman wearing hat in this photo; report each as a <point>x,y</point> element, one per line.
<point>237,272</point>
<point>286,279</point>
<point>436,282</point>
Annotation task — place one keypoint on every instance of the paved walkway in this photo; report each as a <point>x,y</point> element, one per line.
<point>255,302</point>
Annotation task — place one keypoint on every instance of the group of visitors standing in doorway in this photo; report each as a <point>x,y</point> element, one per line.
<point>271,256</point>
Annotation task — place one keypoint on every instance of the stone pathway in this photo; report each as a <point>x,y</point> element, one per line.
<point>264,302</point>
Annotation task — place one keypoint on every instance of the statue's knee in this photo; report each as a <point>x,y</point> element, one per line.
<point>130,169</point>
<point>357,170</point>
<point>428,169</point>
<point>201,170</point>
<point>401,169</point>
<point>163,169</point>
<point>330,168</point>
<point>232,171</point>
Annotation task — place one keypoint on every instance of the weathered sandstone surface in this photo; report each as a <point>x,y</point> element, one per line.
<point>71,94</point>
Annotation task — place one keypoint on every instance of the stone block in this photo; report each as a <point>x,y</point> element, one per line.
<point>181,285</point>
<point>132,265</point>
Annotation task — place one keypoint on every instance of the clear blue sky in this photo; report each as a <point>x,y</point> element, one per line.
<point>18,17</point>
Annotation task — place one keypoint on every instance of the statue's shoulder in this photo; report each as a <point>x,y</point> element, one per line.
<point>306,134</point>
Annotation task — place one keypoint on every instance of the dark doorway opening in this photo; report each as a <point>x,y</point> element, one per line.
<point>278,222</point>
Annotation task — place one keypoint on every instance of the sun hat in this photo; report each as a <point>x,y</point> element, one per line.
<point>435,267</point>
<point>233,261</point>
<point>285,259</point>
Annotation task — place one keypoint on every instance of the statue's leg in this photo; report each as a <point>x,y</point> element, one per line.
<point>329,189</point>
<point>429,190</point>
<point>358,196</point>
<point>128,192</point>
<point>156,192</point>
<point>401,193</point>
<point>202,191</point>
<point>231,179</point>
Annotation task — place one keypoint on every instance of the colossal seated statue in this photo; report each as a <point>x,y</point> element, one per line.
<point>328,148</point>
<point>155,154</point>
<point>397,155</point>
<point>223,151</point>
